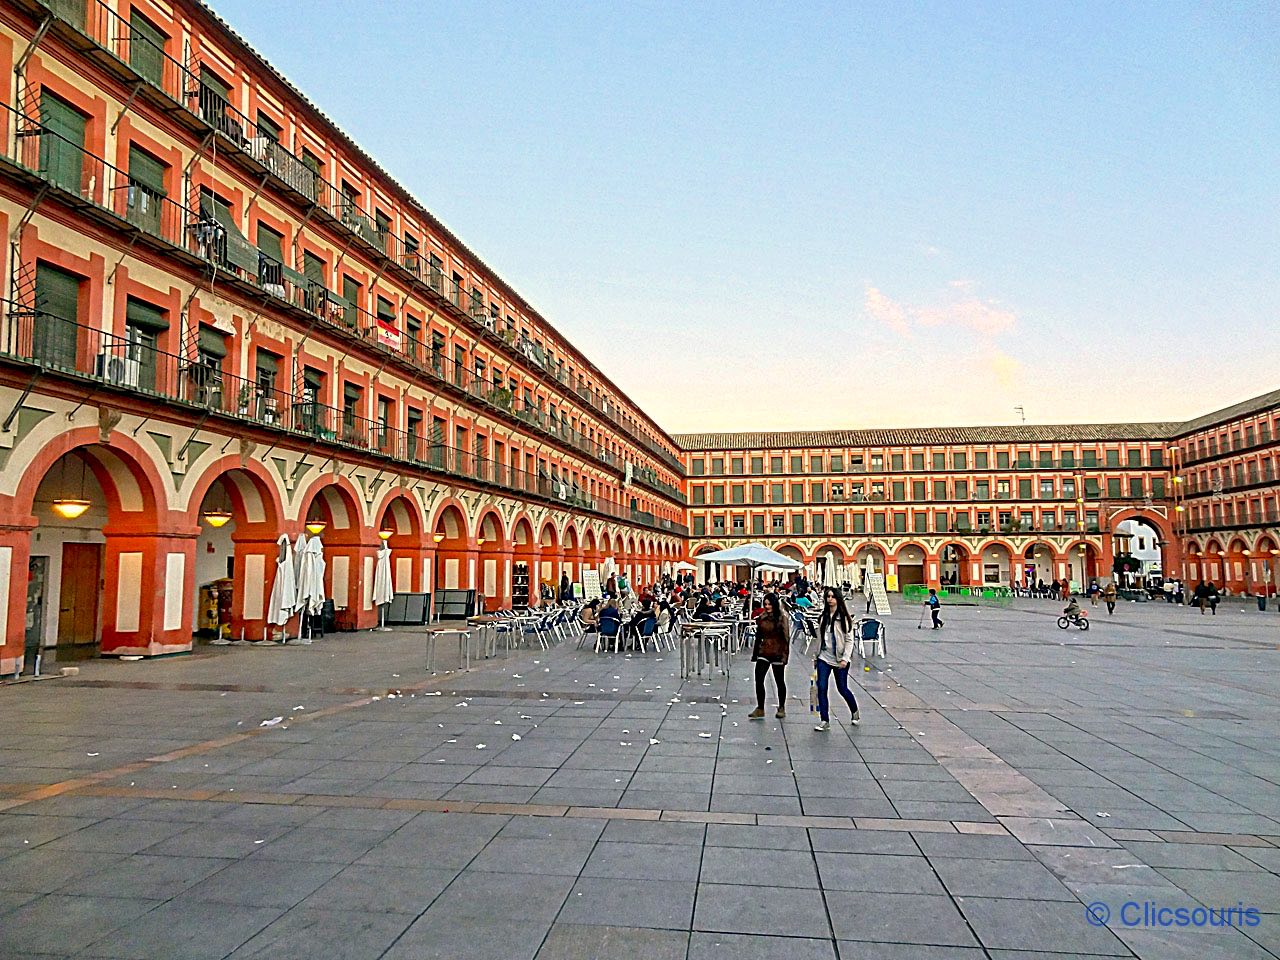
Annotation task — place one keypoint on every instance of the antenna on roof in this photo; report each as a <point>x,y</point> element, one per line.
<point>1021,413</point>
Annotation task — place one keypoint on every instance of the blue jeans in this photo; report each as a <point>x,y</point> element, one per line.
<point>842,685</point>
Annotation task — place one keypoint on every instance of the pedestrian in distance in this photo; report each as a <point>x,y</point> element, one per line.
<point>1109,597</point>
<point>1094,590</point>
<point>935,608</point>
<point>835,651</point>
<point>771,652</point>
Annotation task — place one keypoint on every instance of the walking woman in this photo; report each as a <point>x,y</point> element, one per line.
<point>773,646</point>
<point>835,650</point>
<point>1109,594</point>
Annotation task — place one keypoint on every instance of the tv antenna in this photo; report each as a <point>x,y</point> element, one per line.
<point>1022,414</point>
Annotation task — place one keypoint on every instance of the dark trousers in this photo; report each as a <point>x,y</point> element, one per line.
<point>1111,606</point>
<point>842,685</point>
<point>779,681</point>
<point>937,617</point>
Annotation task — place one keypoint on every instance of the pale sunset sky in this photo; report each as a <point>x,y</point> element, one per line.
<point>758,216</point>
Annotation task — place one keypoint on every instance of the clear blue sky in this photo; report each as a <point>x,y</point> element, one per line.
<point>769,216</point>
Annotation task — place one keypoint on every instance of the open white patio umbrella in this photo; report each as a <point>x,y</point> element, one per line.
<point>284,591</point>
<point>682,567</point>
<point>310,596</point>
<point>383,590</point>
<point>753,555</point>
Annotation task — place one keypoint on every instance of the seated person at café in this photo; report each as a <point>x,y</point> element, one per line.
<point>705,609</point>
<point>645,612</point>
<point>590,616</point>
<point>610,612</point>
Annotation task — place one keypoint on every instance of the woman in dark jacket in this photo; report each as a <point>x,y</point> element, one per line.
<point>773,646</point>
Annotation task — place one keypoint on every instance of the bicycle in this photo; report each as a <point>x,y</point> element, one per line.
<point>1076,619</point>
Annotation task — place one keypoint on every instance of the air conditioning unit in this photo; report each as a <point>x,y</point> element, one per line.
<point>119,370</point>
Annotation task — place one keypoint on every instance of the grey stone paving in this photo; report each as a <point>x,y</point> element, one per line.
<point>561,806</point>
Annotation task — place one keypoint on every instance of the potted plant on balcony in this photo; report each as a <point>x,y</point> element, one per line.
<point>242,400</point>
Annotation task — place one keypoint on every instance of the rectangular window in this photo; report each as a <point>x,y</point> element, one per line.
<point>819,525</point>
<point>757,464</point>
<point>980,460</point>
<point>837,463</point>
<point>797,524</point>
<point>1136,487</point>
<point>939,489</point>
<point>699,526</point>
<point>717,525</point>
<point>757,526</point>
<point>920,522</point>
<point>877,462</point>
<point>1135,458</point>
<point>737,494</point>
<point>1113,458</point>
<point>1157,456</point>
<point>145,201</point>
<point>1157,487</point>
<point>62,156</point>
<point>757,493</point>
<point>739,526</point>
<point>1068,488</point>
<point>877,523</point>
<point>982,489</point>
<point>897,463</point>
<point>779,524</point>
<point>939,462</point>
<point>917,490</point>
<point>697,466</point>
<point>1046,490</point>
<point>144,324</point>
<point>815,464</point>
<point>1090,458</point>
<point>717,493</point>
<point>815,493</point>
<point>776,493</point>
<point>1113,487</point>
<point>1024,489</point>
<point>736,465</point>
<point>899,523</point>
<point>717,466</point>
<point>775,464</point>
<point>1068,458</point>
<point>699,494</point>
<point>917,461</point>
<point>960,461</point>
<point>797,493</point>
<point>797,464</point>
<point>54,336</point>
<point>962,489</point>
<point>146,48</point>
<point>859,523</point>
<point>1002,460</point>
<point>837,523</point>
<point>899,491</point>
<point>1046,458</point>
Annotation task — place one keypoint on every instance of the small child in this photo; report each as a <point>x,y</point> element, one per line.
<point>934,605</point>
<point>1072,609</point>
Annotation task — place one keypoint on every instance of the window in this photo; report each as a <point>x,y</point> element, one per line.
<point>717,493</point>
<point>980,460</point>
<point>797,524</point>
<point>262,403</point>
<point>757,493</point>
<point>146,48</point>
<point>699,526</point>
<point>982,489</point>
<point>877,523</point>
<point>917,461</point>
<point>837,523</point>
<point>960,461</point>
<point>899,489</point>
<point>815,493</point>
<point>1024,489</point>
<point>62,148</point>
<point>1157,456</point>
<point>815,464</point>
<point>699,494</point>
<point>939,462</point>
<point>270,260</point>
<point>962,489</point>
<point>1046,458</point>
<point>837,491</point>
<point>144,324</point>
<point>917,490</point>
<point>1113,458</point>
<point>1113,487</point>
<point>145,200</point>
<point>797,493</point>
<point>899,523</point>
<point>411,260</point>
<point>1002,460</point>
<point>717,466</point>
<point>1137,488</point>
<point>1068,459</point>
<point>1090,458</point>
<point>939,489</point>
<point>1157,487</point>
<point>717,525</point>
<point>757,464</point>
<point>1002,489</point>
<point>215,94</point>
<point>53,339</point>
<point>896,462</point>
<point>697,466</point>
<point>877,461</point>
<point>775,464</point>
<point>984,519</point>
<point>775,493</point>
<point>1046,490</point>
<point>1068,488</point>
<point>1135,458</point>
<point>837,463</point>
<point>737,494</point>
<point>819,525</point>
<point>739,525</point>
<point>797,464</point>
<point>735,465</point>
<point>859,523</point>
<point>779,524</point>
<point>757,526</point>
<point>387,317</point>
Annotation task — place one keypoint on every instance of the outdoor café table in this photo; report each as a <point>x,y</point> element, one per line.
<point>487,632</point>
<point>699,632</point>
<point>461,634</point>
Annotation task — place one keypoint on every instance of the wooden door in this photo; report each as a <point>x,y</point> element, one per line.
<point>78,596</point>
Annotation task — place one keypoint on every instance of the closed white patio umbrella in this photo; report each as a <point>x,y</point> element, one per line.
<point>383,590</point>
<point>310,596</point>
<point>284,591</point>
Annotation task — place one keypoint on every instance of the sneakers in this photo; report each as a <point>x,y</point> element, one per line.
<point>857,718</point>
<point>782,713</point>
<point>756,714</point>
<point>822,725</point>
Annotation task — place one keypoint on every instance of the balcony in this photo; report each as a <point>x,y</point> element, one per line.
<point>71,350</point>
<point>136,58</point>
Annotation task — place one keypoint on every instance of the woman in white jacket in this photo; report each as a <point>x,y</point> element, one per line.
<point>835,651</point>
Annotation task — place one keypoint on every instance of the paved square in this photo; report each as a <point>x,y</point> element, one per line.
<point>560,805</point>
